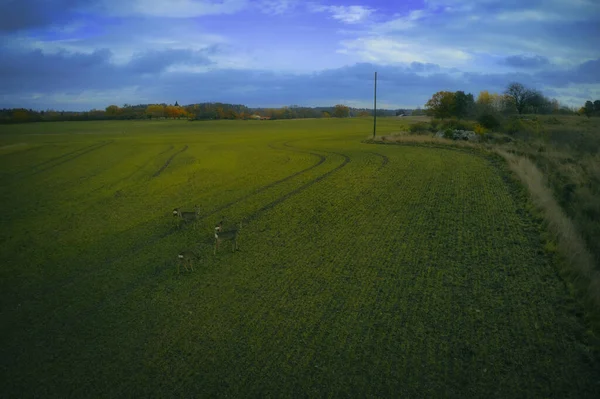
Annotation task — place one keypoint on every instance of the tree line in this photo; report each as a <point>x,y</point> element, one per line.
<point>590,109</point>
<point>516,99</point>
<point>192,112</point>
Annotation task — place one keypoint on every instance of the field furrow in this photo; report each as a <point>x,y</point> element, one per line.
<point>362,270</point>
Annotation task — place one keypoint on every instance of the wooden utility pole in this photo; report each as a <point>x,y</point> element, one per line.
<point>375,108</point>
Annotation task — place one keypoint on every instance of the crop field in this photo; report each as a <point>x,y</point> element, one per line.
<point>363,270</point>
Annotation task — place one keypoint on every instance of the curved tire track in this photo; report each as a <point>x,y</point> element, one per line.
<point>298,190</point>
<point>384,159</point>
<point>154,239</point>
<point>67,158</point>
<point>32,168</point>
<point>166,165</point>
<point>150,274</point>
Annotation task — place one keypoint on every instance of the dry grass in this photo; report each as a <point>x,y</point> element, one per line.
<point>579,263</point>
<point>407,138</point>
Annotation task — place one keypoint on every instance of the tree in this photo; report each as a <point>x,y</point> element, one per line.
<point>112,110</point>
<point>463,104</point>
<point>176,104</point>
<point>484,99</point>
<point>441,105</point>
<point>597,107</point>
<point>326,114</point>
<point>520,96</point>
<point>588,108</point>
<point>341,111</point>
<point>155,111</point>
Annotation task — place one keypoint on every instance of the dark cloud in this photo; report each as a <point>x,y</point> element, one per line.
<point>26,14</point>
<point>586,73</point>
<point>23,74</point>
<point>526,61</point>
<point>157,61</point>
<point>35,71</point>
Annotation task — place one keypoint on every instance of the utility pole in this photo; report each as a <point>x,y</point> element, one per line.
<point>375,108</point>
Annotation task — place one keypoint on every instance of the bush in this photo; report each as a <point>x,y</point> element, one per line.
<point>456,124</point>
<point>419,127</point>
<point>449,134</point>
<point>488,121</point>
<point>553,121</point>
<point>480,129</point>
<point>512,126</point>
<point>436,125</point>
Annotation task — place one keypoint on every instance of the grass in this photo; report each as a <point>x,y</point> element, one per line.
<point>363,270</point>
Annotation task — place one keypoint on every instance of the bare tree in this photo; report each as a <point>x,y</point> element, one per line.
<point>520,95</point>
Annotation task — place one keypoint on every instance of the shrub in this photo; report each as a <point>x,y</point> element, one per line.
<point>512,126</point>
<point>480,129</point>
<point>436,125</point>
<point>449,134</point>
<point>553,121</point>
<point>457,124</point>
<point>419,127</point>
<point>488,121</point>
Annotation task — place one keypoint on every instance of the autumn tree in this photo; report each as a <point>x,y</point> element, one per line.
<point>521,96</point>
<point>341,111</point>
<point>155,111</point>
<point>441,105</point>
<point>172,111</point>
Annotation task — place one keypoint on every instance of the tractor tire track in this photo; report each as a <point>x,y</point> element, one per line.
<point>173,230</point>
<point>62,161</point>
<point>166,165</point>
<point>298,190</point>
<point>384,159</point>
<point>159,270</point>
<point>129,176</point>
<point>34,167</point>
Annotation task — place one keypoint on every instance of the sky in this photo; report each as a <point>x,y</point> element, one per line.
<point>83,54</point>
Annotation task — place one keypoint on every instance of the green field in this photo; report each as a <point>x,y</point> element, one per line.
<point>363,271</point>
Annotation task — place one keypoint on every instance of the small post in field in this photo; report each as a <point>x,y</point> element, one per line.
<point>375,108</point>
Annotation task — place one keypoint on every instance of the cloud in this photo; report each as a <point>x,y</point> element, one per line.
<point>526,61</point>
<point>171,8</point>
<point>35,71</point>
<point>345,14</point>
<point>277,7</point>
<point>158,61</point>
<point>388,50</point>
<point>83,81</point>
<point>26,14</point>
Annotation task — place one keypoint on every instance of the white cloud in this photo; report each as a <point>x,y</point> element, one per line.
<point>528,16</point>
<point>387,50</point>
<point>403,23</point>
<point>277,7</point>
<point>346,14</point>
<point>172,8</point>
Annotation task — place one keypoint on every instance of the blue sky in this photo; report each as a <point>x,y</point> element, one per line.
<point>83,54</point>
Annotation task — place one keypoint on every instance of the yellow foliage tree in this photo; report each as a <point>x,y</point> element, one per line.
<point>484,98</point>
<point>155,111</point>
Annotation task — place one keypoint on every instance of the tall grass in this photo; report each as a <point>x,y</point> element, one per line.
<point>578,263</point>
